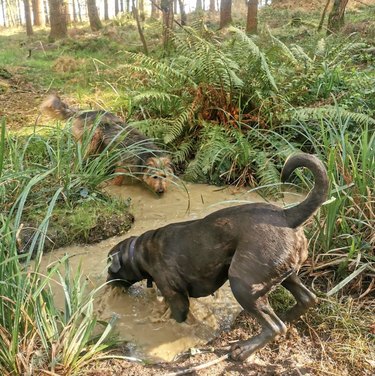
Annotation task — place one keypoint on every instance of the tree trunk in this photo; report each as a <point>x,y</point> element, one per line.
<point>336,17</point>
<point>142,16</point>
<point>183,13</point>
<point>225,13</point>
<point>29,26</point>
<point>117,9</point>
<point>121,4</point>
<point>74,6</point>
<point>212,6</point>
<point>106,16</point>
<point>38,13</point>
<point>323,15</point>
<point>3,13</point>
<point>154,9</point>
<point>198,5</point>
<point>46,11</point>
<point>58,19</point>
<point>79,11</point>
<point>252,17</point>
<point>140,31</point>
<point>167,9</point>
<point>92,10</point>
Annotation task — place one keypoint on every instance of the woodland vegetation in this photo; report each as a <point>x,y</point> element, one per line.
<point>230,90</point>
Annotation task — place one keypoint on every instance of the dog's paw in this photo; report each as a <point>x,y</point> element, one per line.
<point>240,351</point>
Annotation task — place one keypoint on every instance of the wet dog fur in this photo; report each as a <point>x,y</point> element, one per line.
<point>152,164</point>
<point>256,246</point>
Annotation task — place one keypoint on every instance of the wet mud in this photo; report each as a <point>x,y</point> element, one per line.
<point>143,321</point>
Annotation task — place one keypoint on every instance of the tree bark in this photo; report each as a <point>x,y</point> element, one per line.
<point>198,5</point>
<point>336,17</point>
<point>140,31</point>
<point>106,15</point>
<point>252,17</point>
<point>3,13</point>
<point>141,14</point>
<point>323,15</point>
<point>225,13</point>
<point>117,9</point>
<point>183,13</point>
<point>58,19</point>
<point>29,26</point>
<point>154,10</point>
<point>167,9</point>
<point>38,13</point>
<point>92,10</point>
<point>212,8</point>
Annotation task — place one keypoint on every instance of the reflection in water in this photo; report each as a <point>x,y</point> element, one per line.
<point>143,318</point>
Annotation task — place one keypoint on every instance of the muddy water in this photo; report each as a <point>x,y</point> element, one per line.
<point>143,321</point>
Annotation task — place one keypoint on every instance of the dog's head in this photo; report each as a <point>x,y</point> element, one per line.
<point>120,269</point>
<point>158,173</point>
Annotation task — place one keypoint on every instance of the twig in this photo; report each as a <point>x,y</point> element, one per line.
<point>198,367</point>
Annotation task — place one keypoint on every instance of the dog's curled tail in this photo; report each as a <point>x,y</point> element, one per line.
<point>297,215</point>
<point>55,108</point>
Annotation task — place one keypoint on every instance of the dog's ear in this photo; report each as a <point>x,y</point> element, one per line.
<point>167,163</point>
<point>115,265</point>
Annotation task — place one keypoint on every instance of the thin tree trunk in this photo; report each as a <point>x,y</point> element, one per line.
<point>19,13</point>
<point>198,5</point>
<point>167,9</point>
<point>117,9</point>
<point>225,13</point>
<point>323,15</point>
<point>29,26</point>
<point>121,6</point>
<point>154,10</point>
<point>58,19</point>
<point>106,16</point>
<point>46,11</point>
<point>142,10</point>
<point>252,17</point>
<point>92,11</point>
<point>139,26</point>
<point>183,13</point>
<point>37,12</point>
<point>3,12</point>
<point>336,17</point>
<point>212,6</point>
<point>74,6</point>
<point>79,11</point>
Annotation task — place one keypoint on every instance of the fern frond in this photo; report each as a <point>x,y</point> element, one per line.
<point>255,51</point>
<point>153,95</point>
<point>332,112</point>
<point>284,49</point>
<point>176,129</point>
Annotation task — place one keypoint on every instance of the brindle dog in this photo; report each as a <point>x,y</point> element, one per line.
<point>107,129</point>
<point>256,246</point>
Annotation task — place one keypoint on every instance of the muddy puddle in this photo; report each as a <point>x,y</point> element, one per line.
<point>142,319</point>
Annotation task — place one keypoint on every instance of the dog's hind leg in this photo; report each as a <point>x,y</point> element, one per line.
<point>252,297</point>
<point>304,297</point>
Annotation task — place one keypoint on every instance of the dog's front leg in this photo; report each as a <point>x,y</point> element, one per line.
<point>259,307</point>
<point>176,300</point>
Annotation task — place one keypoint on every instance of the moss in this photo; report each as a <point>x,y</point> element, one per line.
<point>87,223</point>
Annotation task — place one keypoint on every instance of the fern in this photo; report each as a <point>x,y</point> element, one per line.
<point>331,112</point>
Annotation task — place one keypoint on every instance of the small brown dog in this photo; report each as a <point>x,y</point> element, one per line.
<point>256,246</point>
<point>108,129</point>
